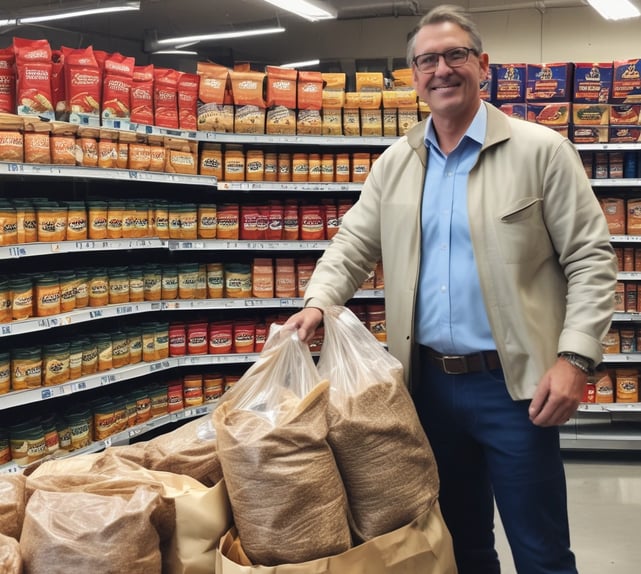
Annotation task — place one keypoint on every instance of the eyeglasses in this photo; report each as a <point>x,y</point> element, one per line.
<point>454,58</point>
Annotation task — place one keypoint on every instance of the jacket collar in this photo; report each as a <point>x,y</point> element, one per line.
<point>498,130</point>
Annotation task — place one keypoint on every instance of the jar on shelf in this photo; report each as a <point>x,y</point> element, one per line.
<point>26,368</point>
<point>27,441</point>
<point>55,364</point>
<point>5,372</point>
<point>47,295</point>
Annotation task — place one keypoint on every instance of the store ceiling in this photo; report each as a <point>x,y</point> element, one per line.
<point>135,33</point>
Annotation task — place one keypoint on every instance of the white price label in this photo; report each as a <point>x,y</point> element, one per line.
<point>107,442</point>
<point>81,386</point>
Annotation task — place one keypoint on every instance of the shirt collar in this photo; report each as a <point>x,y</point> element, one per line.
<point>475,131</point>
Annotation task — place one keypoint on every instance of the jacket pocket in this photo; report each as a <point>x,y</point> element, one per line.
<point>521,232</point>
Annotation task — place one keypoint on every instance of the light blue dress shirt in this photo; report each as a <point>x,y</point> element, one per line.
<point>450,315</point>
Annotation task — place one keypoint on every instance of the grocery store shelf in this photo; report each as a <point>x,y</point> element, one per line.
<point>623,275</point>
<point>625,238</point>
<point>78,172</point>
<point>56,247</point>
<point>243,245</point>
<point>607,146</point>
<point>287,186</point>
<point>264,139</point>
<point>626,316</point>
<point>85,314</point>
<point>622,358</point>
<point>105,378</point>
<point>617,182</point>
<point>122,437</point>
<point>609,408</point>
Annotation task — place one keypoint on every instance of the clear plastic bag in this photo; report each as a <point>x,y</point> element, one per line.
<point>285,490</point>
<point>383,455</point>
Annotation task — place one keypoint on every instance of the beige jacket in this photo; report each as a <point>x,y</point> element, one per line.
<point>541,243</point>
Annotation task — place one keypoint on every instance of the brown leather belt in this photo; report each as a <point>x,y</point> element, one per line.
<point>462,364</point>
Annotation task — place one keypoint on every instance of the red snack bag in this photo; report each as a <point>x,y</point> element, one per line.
<point>83,85</point>
<point>118,75</point>
<point>58,84</point>
<point>188,85</point>
<point>166,97</point>
<point>7,81</point>
<point>33,93</point>
<point>142,95</point>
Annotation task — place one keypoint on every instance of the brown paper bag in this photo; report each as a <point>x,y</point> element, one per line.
<point>10,557</point>
<point>423,546</point>
<point>200,515</point>
<point>202,518</point>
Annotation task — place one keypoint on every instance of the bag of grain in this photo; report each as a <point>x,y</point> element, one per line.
<point>285,491</point>
<point>383,455</point>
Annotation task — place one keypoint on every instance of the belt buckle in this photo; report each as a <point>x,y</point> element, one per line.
<point>449,359</point>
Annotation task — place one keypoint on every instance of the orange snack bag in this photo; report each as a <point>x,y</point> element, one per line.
<point>281,100</point>
<point>215,111</point>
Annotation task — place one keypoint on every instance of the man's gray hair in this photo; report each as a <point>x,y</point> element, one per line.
<point>446,13</point>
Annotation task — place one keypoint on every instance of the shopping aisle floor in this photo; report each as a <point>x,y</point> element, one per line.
<point>604,504</point>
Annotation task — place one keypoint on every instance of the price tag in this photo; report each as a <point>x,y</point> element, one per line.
<point>10,469</point>
<point>81,386</point>
<point>46,394</point>
<point>6,329</point>
<point>166,364</point>
<point>155,367</point>
<point>107,379</point>
<point>43,323</point>
<point>289,303</point>
<point>179,415</point>
<point>80,245</point>
<point>95,314</point>
<point>17,251</point>
<point>134,432</point>
<point>124,310</point>
<point>107,442</point>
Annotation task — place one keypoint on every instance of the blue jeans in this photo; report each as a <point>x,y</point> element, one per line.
<point>486,448</point>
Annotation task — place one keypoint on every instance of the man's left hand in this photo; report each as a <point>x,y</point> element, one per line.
<point>558,394</point>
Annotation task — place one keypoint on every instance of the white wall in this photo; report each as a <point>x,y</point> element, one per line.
<point>529,36</point>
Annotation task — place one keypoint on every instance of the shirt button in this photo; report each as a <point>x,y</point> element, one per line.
<point>443,288</point>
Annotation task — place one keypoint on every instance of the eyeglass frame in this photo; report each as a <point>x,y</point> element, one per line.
<point>443,54</point>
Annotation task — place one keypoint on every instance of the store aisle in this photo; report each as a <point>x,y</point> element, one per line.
<point>604,498</point>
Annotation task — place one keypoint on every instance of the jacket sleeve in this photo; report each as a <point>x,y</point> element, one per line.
<point>580,236</point>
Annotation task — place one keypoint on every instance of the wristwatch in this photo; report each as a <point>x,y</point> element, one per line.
<point>579,361</point>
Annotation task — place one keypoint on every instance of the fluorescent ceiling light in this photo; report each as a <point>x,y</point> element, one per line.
<point>182,52</point>
<point>220,36</point>
<point>104,8</point>
<point>615,9</point>
<point>310,10</point>
<point>303,64</point>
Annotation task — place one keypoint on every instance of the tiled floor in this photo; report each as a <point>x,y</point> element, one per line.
<point>604,504</point>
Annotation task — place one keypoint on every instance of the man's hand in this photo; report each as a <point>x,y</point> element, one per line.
<point>306,321</point>
<point>558,394</point>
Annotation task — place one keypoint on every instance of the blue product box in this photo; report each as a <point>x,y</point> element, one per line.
<point>592,82</point>
<point>548,82</point>
<point>509,83</point>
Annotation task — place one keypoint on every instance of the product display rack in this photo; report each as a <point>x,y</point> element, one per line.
<point>38,253</point>
<point>611,426</point>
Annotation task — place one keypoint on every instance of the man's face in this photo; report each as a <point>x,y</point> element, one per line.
<point>448,91</point>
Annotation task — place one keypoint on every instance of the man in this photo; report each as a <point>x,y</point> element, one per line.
<point>499,287</point>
